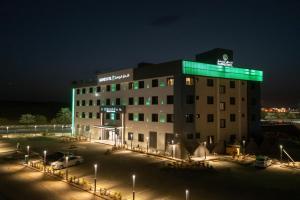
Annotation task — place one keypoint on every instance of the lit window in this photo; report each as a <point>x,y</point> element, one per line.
<point>189,81</point>
<point>170,81</point>
<point>222,106</point>
<point>222,89</point>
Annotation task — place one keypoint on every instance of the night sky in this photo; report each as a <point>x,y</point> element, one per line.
<point>45,45</point>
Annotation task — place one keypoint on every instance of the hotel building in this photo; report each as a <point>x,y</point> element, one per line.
<point>171,107</point>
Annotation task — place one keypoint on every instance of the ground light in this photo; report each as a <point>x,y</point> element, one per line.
<point>133,186</point>
<point>244,147</point>
<point>280,147</point>
<point>131,137</point>
<point>187,194</point>
<point>45,155</point>
<point>67,162</point>
<point>95,178</point>
<point>204,150</point>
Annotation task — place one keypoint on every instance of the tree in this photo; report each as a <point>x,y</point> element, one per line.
<point>40,119</point>
<point>64,116</point>
<point>27,119</point>
<point>4,121</point>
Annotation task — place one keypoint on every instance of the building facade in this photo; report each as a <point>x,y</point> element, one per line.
<point>171,107</point>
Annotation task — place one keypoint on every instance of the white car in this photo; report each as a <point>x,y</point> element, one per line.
<point>62,163</point>
<point>262,162</point>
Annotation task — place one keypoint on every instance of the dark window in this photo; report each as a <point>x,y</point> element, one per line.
<point>170,118</point>
<point>154,82</point>
<point>118,101</point>
<point>232,100</point>
<point>222,106</point>
<point>253,101</point>
<point>130,85</point>
<point>98,115</point>
<point>77,114</point>
<point>83,102</point>
<point>210,100</point>
<point>141,137</point>
<point>107,102</point>
<point>190,136</point>
<point>98,102</point>
<point>197,97</point>
<point>90,115</point>
<point>107,88</point>
<point>141,100</point>
<point>210,117</point>
<point>130,136</point>
<point>232,84</point>
<point>78,91</point>
<point>243,99</point>
<point>153,139</point>
<point>91,90</point>
<point>130,116</point>
<point>98,89</point>
<point>189,118</point>
<point>222,123</point>
<point>107,115</point>
<point>243,115</point>
<point>197,135</point>
<point>90,102</point>
<point>210,82</point>
<point>77,103</point>
<point>141,116</point>
<point>118,116</point>
<point>190,99</point>
<point>141,84</point>
<point>83,90</point>
<point>170,99</point>
<point>83,115</point>
<point>155,100</point>
<point>252,86</point>
<point>130,101</point>
<point>253,118</point>
<point>222,89</point>
<point>118,87</point>
<point>232,117</point>
<point>154,117</point>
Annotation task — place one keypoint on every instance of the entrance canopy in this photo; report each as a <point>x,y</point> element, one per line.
<point>107,127</point>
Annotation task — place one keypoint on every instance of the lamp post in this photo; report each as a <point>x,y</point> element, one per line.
<point>244,147</point>
<point>147,143</point>
<point>131,138</point>
<point>62,129</point>
<point>7,131</point>
<point>186,194</point>
<point>173,149</point>
<point>133,186</point>
<point>54,127</point>
<point>34,129</point>
<point>95,178</point>
<point>204,150</point>
<point>45,155</point>
<point>281,147</point>
<point>28,148</point>
<point>67,172</point>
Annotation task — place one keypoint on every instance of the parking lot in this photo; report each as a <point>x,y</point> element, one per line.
<point>227,180</point>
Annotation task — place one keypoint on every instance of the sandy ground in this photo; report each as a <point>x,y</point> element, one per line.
<point>154,181</point>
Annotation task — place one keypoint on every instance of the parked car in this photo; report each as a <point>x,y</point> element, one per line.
<point>262,162</point>
<point>72,160</point>
<point>56,156</point>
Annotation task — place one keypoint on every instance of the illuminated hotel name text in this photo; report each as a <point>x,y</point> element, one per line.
<point>113,78</point>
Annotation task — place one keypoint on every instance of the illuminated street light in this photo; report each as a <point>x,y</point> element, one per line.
<point>28,147</point>
<point>95,178</point>
<point>281,147</point>
<point>244,147</point>
<point>205,150</point>
<point>173,149</point>
<point>187,194</point>
<point>54,126</point>
<point>35,129</point>
<point>133,186</point>
<point>67,162</point>
<point>45,155</point>
<point>131,137</point>
<point>147,143</point>
<point>7,131</point>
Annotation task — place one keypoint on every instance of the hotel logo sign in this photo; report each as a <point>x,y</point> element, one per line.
<point>112,109</point>
<point>113,77</point>
<point>225,61</point>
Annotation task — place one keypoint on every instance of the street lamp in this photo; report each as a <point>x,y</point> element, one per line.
<point>147,143</point>
<point>204,150</point>
<point>133,186</point>
<point>28,147</point>
<point>173,149</point>
<point>45,154</point>
<point>54,126</point>
<point>244,147</point>
<point>186,194</point>
<point>281,147</point>
<point>131,138</point>
<point>95,178</point>
<point>62,129</point>
<point>35,129</point>
<point>67,162</point>
<point>7,131</point>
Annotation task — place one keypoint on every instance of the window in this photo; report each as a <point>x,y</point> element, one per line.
<point>98,115</point>
<point>197,135</point>
<point>232,84</point>
<point>130,116</point>
<point>189,118</point>
<point>130,85</point>
<point>98,102</point>
<point>98,89</point>
<point>222,89</point>
<point>141,116</point>
<point>107,115</point>
<point>107,102</point>
<point>222,123</point>
<point>190,136</point>
<point>130,136</point>
<point>197,98</point>
<point>210,100</point>
<point>198,116</point>
<point>83,102</point>
<point>170,81</point>
<point>189,81</point>
<point>154,82</point>
<point>170,118</point>
<point>118,101</point>
<point>78,91</point>
<point>90,115</point>
<point>91,90</point>
<point>107,88</point>
<point>222,106</point>
<point>232,100</point>
<point>190,99</point>
<point>83,91</point>
<point>210,117</point>
<point>154,100</point>
<point>130,101</point>
<point>210,82</point>
<point>77,114</point>
<point>141,100</point>
<point>252,86</point>
<point>170,99</point>
<point>77,103</point>
<point>154,117</point>
<point>141,84</point>
<point>243,99</point>
<point>83,115</point>
<point>90,102</point>
<point>118,116</point>
<point>141,137</point>
<point>118,87</point>
<point>232,117</point>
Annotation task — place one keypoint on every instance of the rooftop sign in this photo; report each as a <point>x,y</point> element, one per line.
<point>112,109</point>
<point>219,71</point>
<point>113,77</point>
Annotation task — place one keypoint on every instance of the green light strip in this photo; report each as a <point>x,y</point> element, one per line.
<point>73,112</point>
<point>203,69</point>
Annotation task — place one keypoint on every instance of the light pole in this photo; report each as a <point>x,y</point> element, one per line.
<point>62,129</point>
<point>67,172</point>
<point>45,154</point>
<point>133,186</point>
<point>173,149</point>
<point>131,138</point>
<point>7,131</point>
<point>281,147</point>
<point>28,147</point>
<point>54,127</point>
<point>35,129</point>
<point>147,143</point>
<point>95,178</point>
<point>244,147</point>
<point>204,150</point>
<point>187,194</point>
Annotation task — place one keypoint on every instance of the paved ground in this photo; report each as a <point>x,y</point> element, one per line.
<point>227,181</point>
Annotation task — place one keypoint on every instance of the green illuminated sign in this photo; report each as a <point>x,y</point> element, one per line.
<point>73,112</point>
<point>204,69</point>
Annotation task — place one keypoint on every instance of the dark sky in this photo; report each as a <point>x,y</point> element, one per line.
<point>44,45</point>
